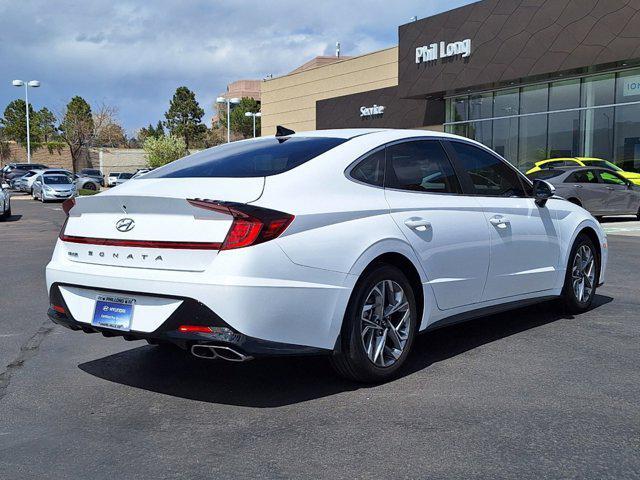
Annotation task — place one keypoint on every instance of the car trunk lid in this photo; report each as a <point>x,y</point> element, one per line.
<point>150,223</point>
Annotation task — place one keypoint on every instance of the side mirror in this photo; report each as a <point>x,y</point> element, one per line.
<point>542,191</point>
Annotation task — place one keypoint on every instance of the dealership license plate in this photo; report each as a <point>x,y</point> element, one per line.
<point>113,312</point>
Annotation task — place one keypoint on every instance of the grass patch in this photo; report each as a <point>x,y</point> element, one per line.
<point>84,192</point>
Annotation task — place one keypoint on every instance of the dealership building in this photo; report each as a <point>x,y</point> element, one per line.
<point>532,79</point>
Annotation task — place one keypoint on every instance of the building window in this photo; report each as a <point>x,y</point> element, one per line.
<point>627,137</point>
<point>564,135</point>
<point>481,106</point>
<point>505,138</point>
<point>628,89</point>
<point>598,90</point>
<point>567,118</point>
<point>534,99</point>
<point>597,127</point>
<point>564,95</point>
<point>533,141</point>
<point>459,109</point>
<point>506,103</point>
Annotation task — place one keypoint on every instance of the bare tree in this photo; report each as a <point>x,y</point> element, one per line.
<point>81,128</point>
<point>77,128</point>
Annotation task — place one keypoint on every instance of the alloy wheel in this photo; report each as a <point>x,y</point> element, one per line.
<point>385,323</point>
<point>583,273</point>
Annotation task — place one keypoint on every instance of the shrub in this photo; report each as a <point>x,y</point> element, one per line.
<point>163,150</point>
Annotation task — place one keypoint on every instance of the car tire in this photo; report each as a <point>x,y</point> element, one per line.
<point>638,214</point>
<point>581,279</point>
<point>90,186</point>
<point>367,352</point>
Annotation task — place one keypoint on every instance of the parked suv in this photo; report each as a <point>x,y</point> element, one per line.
<point>13,171</point>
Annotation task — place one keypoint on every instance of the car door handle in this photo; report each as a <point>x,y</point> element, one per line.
<point>578,186</point>
<point>499,221</point>
<point>610,188</point>
<point>420,224</point>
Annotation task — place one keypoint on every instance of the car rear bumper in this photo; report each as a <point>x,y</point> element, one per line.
<point>189,312</point>
<point>257,292</point>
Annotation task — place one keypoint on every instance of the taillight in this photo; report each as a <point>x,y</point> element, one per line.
<point>251,225</point>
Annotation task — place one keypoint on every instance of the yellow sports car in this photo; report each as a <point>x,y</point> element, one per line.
<point>584,162</point>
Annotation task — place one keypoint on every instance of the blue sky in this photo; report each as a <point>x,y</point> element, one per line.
<point>134,54</point>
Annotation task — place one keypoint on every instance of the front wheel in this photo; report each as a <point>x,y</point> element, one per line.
<point>379,327</point>
<point>583,271</point>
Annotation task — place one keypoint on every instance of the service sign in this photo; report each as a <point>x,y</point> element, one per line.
<point>376,110</point>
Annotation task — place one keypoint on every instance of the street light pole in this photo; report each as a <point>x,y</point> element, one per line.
<point>34,84</point>
<point>229,102</point>
<point>254,115</point>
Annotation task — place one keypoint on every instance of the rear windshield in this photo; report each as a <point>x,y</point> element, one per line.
<point>91,172</point>
<point>56,180</point>
<point>125,175</point>
<point>255,158</point>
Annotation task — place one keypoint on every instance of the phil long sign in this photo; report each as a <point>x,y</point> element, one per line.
<point>431,53</point>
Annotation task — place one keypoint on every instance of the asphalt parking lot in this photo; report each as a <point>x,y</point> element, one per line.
<point>526,394</point>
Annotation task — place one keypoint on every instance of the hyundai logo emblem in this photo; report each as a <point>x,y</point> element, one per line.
<point>125,224</point>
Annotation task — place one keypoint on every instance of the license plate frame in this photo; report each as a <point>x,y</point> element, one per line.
<point>113,312</point>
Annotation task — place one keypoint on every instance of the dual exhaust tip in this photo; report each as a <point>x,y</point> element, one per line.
<point>212,352</point>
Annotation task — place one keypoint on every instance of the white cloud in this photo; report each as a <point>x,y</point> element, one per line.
<point>134,54</point>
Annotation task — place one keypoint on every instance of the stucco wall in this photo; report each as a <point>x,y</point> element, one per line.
<point>290,100</point>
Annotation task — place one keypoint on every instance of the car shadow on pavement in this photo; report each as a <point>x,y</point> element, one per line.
<point>275,382</point>
<point>13,218</point>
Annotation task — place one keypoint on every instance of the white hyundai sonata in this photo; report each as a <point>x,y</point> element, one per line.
<point>345,243</point>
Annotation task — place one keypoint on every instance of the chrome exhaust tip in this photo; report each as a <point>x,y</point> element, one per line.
<point>211,352</point>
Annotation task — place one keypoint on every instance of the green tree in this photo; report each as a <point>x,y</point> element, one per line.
<point>184,117</point>
<point>163,150</point>
<point>46,124</point>
<point>14,124</point>
<point>77,127</point>
<point>241,124</point>
<point>159,131</point>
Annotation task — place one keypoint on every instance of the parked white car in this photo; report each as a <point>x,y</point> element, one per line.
<point>111,179</point>
<point>25,183</point>
<point>5,202</point>
<point>343,242</point>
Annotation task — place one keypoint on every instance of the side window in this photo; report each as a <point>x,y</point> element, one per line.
<point>371,169</point>
<point>583,176</point>
<point>611,178</point>
<point>421,166</point>
<point>489,175</point>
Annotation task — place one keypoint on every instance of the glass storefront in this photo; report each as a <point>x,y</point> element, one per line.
<point>595,116</point>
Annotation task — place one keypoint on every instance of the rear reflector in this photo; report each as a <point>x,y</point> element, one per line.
<point>68,204</point>
<point>110,242</point>
<point>58,308</point>
<point>251,224</point>
<point>194,329</point>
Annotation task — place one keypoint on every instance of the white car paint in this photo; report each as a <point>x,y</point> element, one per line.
<point>295,289</point>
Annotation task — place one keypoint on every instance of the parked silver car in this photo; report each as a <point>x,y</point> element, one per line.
<point>53,186</point>
<point>86,183</point>
<point>599,190</point>
<point>5,202</point>
<point>123,177</point>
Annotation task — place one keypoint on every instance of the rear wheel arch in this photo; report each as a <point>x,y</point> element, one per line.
<point>575,201</point>
<point>406,266</point>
